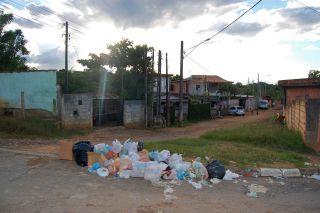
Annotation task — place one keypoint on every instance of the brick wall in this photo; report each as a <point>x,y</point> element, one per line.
<point>303,115</point>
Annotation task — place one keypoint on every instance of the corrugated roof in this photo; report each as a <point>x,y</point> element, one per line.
<point>303,82</point>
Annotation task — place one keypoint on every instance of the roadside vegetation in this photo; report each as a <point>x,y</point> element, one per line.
<point>258,144</point>
<point>30,127</point>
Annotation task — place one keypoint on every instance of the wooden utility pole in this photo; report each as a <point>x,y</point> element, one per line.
<point>146,93</point>
<point>152,82</point>
<point>167,93</point>
<point>159,85</point>
<point>66,59</point>
<point>181,89</point>
<point>258,95</point>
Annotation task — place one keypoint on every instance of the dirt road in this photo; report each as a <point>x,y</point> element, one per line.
<point>39,184</point>
<point>108,134</point>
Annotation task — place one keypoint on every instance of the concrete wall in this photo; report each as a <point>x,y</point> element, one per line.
<point>133,114</point>
<point>76,111</point>
<point>39,87</point>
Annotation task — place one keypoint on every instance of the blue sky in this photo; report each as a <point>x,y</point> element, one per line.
<point>279,39</point>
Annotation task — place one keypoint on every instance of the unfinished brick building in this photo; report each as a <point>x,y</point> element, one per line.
<point>302,108</point>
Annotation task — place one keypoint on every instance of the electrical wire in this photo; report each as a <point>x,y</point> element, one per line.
<point>306,6</point>
<point>220,31</point>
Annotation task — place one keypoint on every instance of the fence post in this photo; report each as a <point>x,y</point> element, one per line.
<point>22,104</point>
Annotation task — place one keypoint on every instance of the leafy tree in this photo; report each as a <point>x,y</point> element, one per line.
<point>175,77</point>
<point>12,46</point>
<point>314,74</point>
<point>127,63</point>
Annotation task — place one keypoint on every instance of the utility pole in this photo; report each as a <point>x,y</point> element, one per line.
<point>159,85</point>
<point>66,59</point>
<point>167,93</point>
<point>258,95</point>
<point>146,92</point>
<point>152,83</point>
<point>181,89</point>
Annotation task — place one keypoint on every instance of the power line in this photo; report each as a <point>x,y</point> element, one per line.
<point>309,7</point>
<point>199,64</point>
<point>220,31</point>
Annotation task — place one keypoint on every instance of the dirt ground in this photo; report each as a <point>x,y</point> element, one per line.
<point>41,184</point>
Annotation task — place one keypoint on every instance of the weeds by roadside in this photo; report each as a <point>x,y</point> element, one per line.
<point>263,143</point>
<point>13,127</point>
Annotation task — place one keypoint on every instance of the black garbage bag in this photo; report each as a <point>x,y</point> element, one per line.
<point>140,146</point>
<point>216,169</point>
<point>80,150</point>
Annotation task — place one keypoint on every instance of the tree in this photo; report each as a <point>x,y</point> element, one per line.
<point>314,74</point>
<point>12,46</point>
<point>128,64</point>
<point>175,77</point>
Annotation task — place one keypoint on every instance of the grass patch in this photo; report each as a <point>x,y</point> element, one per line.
<point>260,144</point>
<point>12,127</point>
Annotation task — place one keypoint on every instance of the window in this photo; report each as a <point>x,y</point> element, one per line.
<point>171,87</point>
<point>79,102</point>
<point>75,113</point>
<point>197,87</point>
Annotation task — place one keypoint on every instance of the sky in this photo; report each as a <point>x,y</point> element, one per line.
<point>277,39</point>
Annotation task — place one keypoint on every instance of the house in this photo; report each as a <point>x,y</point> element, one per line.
<point>33,92</point>
<point>302,108</point>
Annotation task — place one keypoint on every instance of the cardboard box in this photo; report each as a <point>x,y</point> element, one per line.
<point>65,150</point>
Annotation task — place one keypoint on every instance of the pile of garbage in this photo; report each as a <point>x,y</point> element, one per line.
<point>130,159</point>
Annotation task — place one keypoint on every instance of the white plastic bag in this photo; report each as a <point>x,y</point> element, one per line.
<point>101,148</point>
<point>174,160</point>
<point>164,155</point>
<point>138,168</point>
<point>230,175</point>
<point>103,172</point>
<point>116,146</point>
<point>154,170</point>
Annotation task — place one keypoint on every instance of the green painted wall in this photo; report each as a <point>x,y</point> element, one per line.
<point>39,89</point>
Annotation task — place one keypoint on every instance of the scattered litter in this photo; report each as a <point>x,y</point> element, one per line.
<point>245,181</point>
<point>257,188</point>
<point>307,164</point>
<point>215,181</point>
<point>270,181</point>
<point>168,197</point>
<point>281,183</point>
<point>235,181</point>
<point>103,172</point>
<point>251,173</point>
<point>315,176</point>
<point>230,175</point>
<point>196,185</point>
<point>252,194</point>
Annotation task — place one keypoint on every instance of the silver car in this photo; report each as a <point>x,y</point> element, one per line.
<point>236,110</point>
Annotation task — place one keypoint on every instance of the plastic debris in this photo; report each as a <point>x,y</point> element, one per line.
<point>196,185</point>
<point>315,176</point>
<point>164,155</point>
<point>154,170</point>
<point>281,183</point>
<point>125,174</point>
<point>200,172</point>
<point>116,146</point>
<point>103,172</point>
<point>94,167</point>
<point>216,169</point>
<point>307,164</point>
<point>254,189</point>
<point>154,155</point>
<point>270,181</point>
<point>215,181</point>
<point>168,197</point>
<point>174,160</point>
<point>230,175</point>
<point>101,148</point>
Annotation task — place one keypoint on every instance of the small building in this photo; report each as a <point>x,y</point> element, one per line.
<point>302,108</point>
<point>76,111</point>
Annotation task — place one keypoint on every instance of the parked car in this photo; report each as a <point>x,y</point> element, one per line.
<point>263,104</point>
<point>236,110</point>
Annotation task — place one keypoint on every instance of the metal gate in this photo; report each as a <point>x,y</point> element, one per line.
<point>107,112</point>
